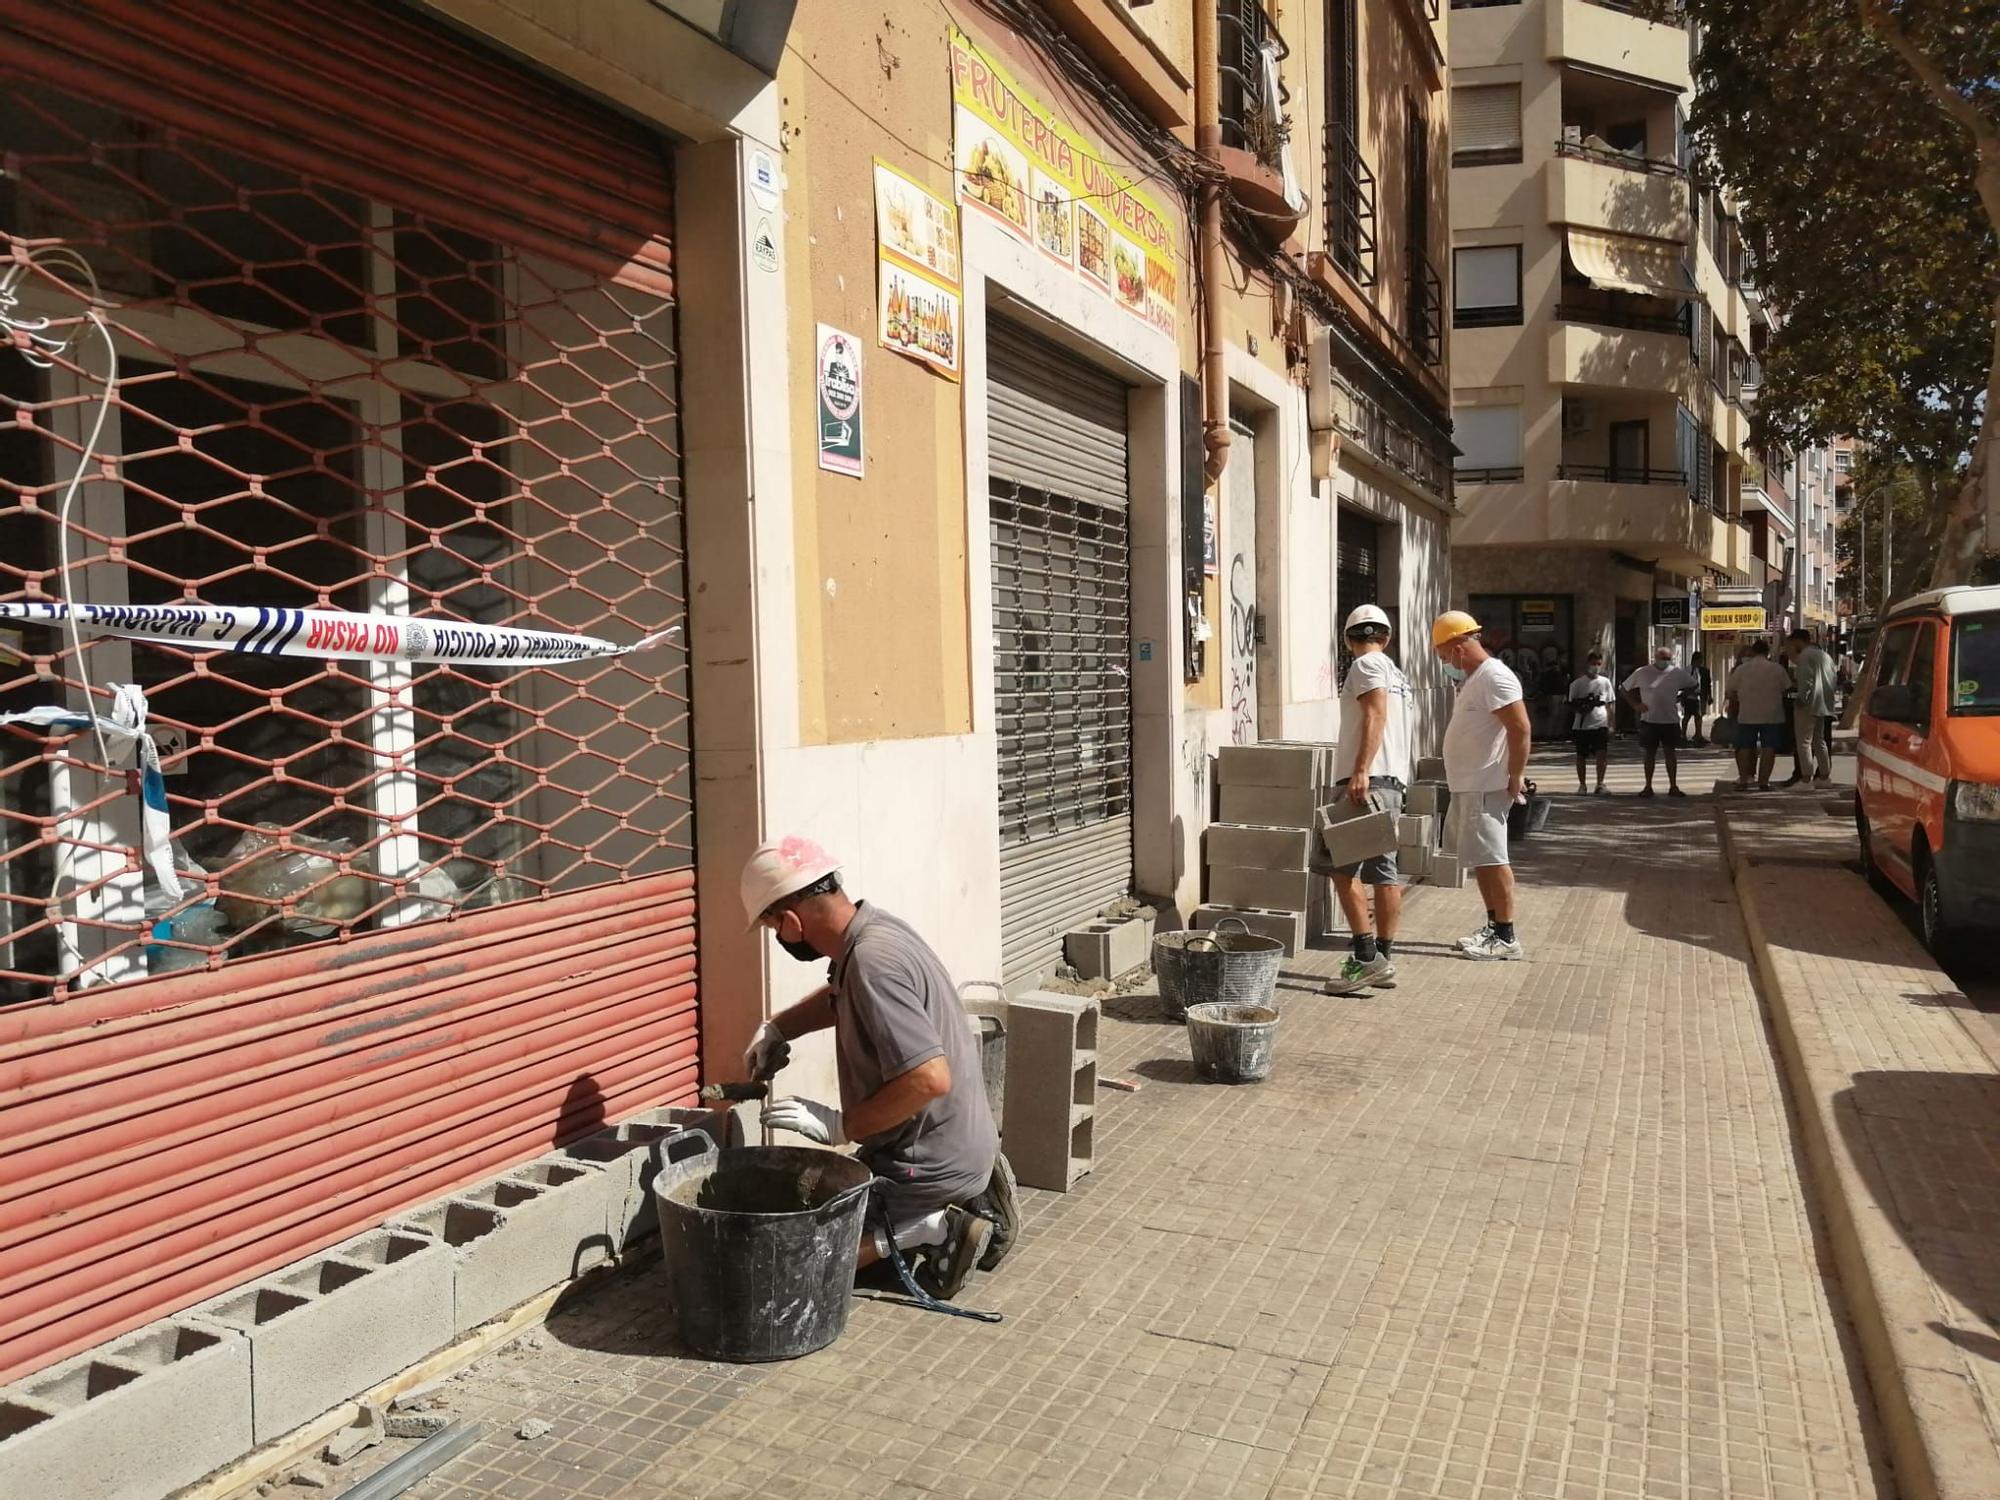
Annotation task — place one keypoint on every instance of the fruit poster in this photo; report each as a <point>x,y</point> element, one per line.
<point>916,251</point>
<point>1021,166</point>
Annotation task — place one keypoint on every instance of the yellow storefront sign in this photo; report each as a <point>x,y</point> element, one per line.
<point>1021,166</point>
<point>1732,617</point>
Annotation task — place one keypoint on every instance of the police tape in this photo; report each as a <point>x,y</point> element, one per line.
<point>259,630</point>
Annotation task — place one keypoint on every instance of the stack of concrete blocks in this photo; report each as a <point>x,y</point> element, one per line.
<point>1107,948</point>
<point>1051,1114</point>
<point>133,1420</point>
<point>1259,857</point>
<point>1421,852</point>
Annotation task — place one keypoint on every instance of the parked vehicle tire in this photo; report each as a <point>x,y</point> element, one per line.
<point>1940,939</point>
<point>1877,881</point>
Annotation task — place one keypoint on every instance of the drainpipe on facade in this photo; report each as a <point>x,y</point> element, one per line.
<point>1208,141</point>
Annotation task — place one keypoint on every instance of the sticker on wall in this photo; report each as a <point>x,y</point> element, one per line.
<point>839,385</point>
<point>764,180</point>
<point>764,246</point>
<point>1211,564</point>
<point>919,310</point>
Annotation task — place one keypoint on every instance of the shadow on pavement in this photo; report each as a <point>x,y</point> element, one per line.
<point>1924,1143</point>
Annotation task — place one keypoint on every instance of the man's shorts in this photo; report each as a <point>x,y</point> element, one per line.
<point>1479,828</point>
<point>1590,741</point>
<point>1652,736</point>
<point>1381,868</point>
<point>1759,736</point>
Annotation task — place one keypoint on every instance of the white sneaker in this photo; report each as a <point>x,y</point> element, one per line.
<point>1467,944</point>
<point>1356,976</point>
<point>1492,946</point>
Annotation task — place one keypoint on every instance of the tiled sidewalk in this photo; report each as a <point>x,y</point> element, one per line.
<point>1505,1231</point>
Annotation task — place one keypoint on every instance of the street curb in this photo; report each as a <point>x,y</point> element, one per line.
<point>1925,1412</point>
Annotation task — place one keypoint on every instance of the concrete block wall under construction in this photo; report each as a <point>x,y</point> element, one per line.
<point>141,1416</point>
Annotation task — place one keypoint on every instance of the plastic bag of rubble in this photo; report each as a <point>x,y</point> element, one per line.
<point>267,867</point>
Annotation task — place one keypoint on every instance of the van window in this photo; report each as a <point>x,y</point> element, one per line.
<point>1923,667</point>
<point>1975,664</point>
<point>1892,652</point>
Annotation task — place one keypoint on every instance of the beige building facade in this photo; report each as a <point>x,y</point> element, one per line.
<point>1602,345</point>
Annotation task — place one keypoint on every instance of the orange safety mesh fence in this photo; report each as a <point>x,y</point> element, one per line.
<point>324,402</point>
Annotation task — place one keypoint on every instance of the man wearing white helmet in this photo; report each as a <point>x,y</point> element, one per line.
<point>1374,748</point>
<point>912,1097</point>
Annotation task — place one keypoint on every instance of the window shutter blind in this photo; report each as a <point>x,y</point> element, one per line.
<point>1489,276</point>
<point>1490,436</point>
<point>1486,117</point>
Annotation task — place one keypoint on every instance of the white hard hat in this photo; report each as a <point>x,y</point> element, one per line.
<point>781,868</point>
<point>1365,614</point>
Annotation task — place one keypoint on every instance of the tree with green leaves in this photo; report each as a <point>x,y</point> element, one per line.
<point>1860,140</point>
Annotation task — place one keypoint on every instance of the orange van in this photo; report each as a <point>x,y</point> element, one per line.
<point>1928,787</point>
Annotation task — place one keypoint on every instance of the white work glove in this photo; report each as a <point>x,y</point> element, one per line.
<point>806,1117</point>
<point>757,1057</point>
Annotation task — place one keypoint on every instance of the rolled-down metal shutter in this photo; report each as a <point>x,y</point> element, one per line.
<point>1061,643</point>
<point>382,101</point>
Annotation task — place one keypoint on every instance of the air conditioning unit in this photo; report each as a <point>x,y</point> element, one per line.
<point>1578,416</point>
<point>1572,135</point>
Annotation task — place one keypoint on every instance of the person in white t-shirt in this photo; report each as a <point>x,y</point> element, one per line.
<point>1486,766</point>
<point>1655,695</point>
<point>1590,700</point>
<point>1374,750</point>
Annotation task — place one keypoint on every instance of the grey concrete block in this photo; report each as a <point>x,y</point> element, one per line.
<point>1430,768</point>
<point>482,1270</point>
<point>1267,890</point>
<point>623,1152</point>
<point>1256,848</point>
<point>1446,872</point>
<point>333,1326</point>
<point>1351,840</point>
<point>1051,1089</point>
<point>567,1222</point>
<point>1104,950</point>
<point>1423,797</point>
<point>1413,862</point>
<point>1269,806</point>
<point>146,1414</point>
<point>1415,831</point>
<point>1288,927</point>
<point>1268,765</point>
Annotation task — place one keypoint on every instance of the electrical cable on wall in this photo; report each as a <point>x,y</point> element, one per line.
<point>41,348</point>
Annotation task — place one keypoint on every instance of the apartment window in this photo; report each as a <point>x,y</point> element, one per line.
<point>1425,293</point>
<point>1486,286</point>
<point>1350,185</point>
<point>1489,443</point>
<point>1631,452</point>
<point>1485,124</point>
<point>1843,461</point>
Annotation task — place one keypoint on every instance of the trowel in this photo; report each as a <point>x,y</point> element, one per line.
<point>758,1089</point>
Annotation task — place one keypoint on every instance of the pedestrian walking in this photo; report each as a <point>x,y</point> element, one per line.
<point>1590,699</point>
<point>1375,704</point>
<point>1655,695</point>
<point>1814,684</point>
<point>1486,767</point>
<point>1698,701</point>
<point>1757,691</point>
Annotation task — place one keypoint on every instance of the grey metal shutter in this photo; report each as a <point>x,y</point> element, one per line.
<point>1486,117</point>
<point>1058,508</point>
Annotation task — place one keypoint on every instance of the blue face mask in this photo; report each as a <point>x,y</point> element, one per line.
<point>1455,673</point>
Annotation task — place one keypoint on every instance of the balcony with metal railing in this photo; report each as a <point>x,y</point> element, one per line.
<point>1254,114</point>
<point>1350,207</point>
<point>1423,307</point>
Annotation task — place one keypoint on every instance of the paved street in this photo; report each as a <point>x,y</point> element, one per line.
<point>1508,1230</point>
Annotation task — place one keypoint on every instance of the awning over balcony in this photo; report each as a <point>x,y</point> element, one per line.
<point>1626,263</point>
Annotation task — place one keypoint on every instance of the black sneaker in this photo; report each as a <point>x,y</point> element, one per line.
<point>949,1266</point>
<point>999,1205</point>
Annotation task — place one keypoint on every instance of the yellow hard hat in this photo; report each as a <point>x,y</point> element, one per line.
<point>1452,624</point>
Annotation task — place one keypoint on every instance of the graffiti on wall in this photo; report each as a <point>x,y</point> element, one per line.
<point>1242,685</point>
<point>1194,760</point>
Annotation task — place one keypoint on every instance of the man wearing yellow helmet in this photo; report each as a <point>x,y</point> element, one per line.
<point>1486,766</point>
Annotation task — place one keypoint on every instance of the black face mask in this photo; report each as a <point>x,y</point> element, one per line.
<point>803,951</point>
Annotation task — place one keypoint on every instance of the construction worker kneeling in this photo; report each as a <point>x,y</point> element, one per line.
<point>911,1094</point>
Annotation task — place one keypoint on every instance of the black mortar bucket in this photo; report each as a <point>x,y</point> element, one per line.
<point>760,1244</point>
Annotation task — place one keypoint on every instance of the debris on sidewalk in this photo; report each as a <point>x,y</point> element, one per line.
<point>363,1433</point>
<point>415,1424</point>
<point>310,1478</point>
<point>533,1428</point>
<point>1122,1085</point>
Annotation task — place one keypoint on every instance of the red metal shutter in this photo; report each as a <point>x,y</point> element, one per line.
<point>383,102</point>
<point>167,1139</point>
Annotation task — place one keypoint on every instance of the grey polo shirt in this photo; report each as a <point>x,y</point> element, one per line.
<point>894,1009</point>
